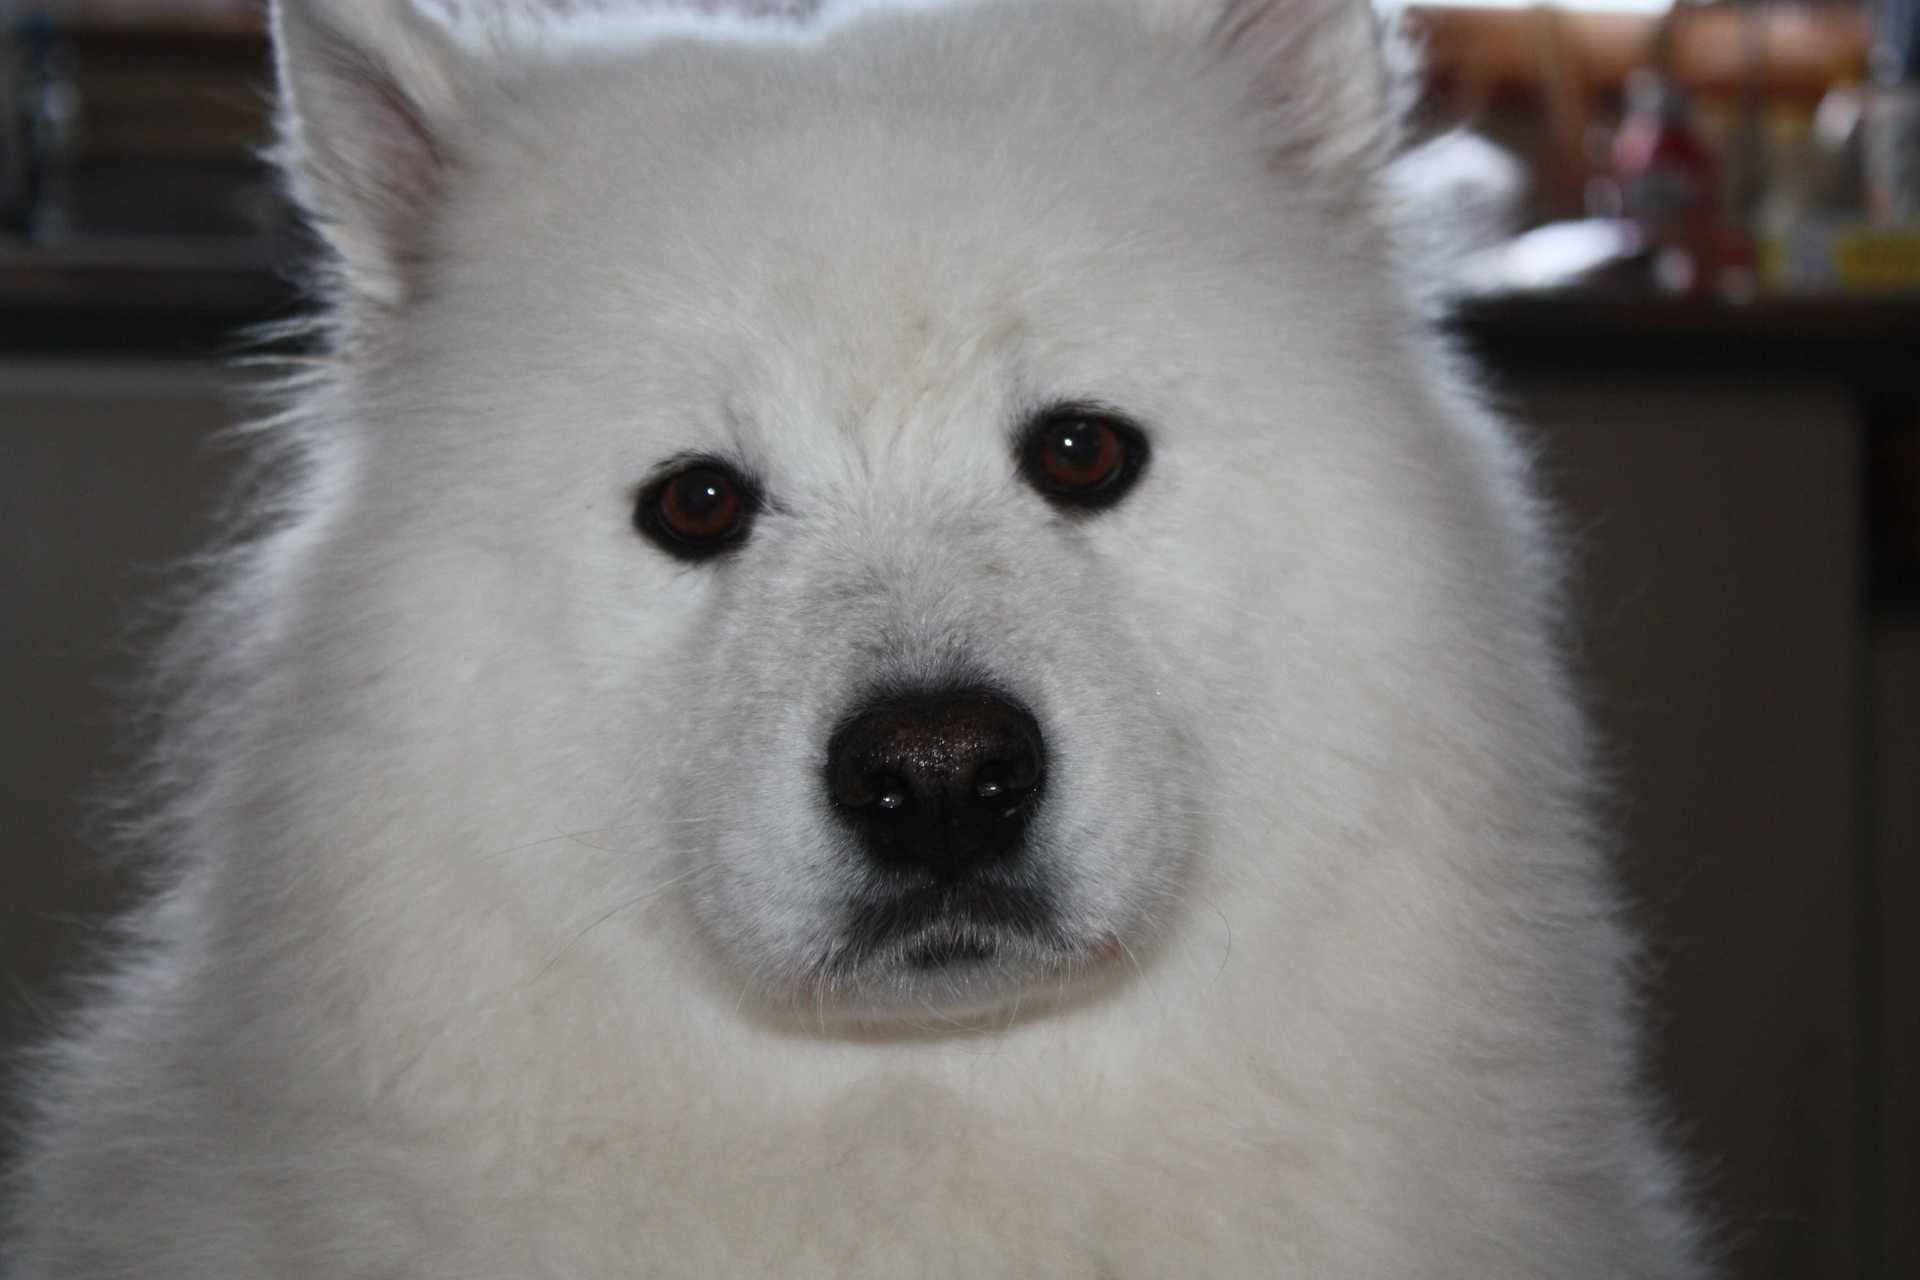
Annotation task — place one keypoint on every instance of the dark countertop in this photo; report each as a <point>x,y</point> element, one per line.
<point>1581,330</point>
<point>188,297</point>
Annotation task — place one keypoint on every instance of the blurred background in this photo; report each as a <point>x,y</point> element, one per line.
<point>1696,284</point>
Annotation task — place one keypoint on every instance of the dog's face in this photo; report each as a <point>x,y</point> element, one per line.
<point>920,439</point>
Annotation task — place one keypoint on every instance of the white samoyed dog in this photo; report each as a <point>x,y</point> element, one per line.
<point>894,652</point>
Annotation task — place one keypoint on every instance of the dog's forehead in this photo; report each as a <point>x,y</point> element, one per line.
<point>851,236</point>
<point>927,165</point>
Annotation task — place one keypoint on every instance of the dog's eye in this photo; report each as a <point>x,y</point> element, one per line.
<point>698,510</point>
<point>1081,456</point>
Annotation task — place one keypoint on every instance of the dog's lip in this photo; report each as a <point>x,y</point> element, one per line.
<point>963,916</point>
<point>961,962</point>
<point>950,952</point>
<point>938,927</point>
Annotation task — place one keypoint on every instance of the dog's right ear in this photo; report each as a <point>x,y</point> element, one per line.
<point>1330,77</point>
<point>369,90</point>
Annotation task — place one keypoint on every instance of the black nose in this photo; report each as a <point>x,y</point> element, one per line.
<point>940,782</point>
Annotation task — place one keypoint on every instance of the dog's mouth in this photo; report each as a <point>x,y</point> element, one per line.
<point>935,929</point>
<point>943,953</point>
<point>972,953</point>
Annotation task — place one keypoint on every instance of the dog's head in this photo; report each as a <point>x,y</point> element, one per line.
<point>939,469</point>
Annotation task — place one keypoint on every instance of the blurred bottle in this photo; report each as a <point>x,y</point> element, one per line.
<point>1668,180</point>
<point>53,126</point>
<point>1890,120</point>
<point>13,129</point>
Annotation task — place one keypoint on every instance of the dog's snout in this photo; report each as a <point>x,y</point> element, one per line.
<point>941,782</point>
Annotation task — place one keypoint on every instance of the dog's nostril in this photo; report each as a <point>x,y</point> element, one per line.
<point>944,782</point>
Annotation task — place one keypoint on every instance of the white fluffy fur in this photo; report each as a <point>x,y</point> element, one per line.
<point>498,857</point>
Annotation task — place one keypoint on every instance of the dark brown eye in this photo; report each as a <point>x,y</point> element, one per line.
<point>699,510</point>
<point>1083,457</point>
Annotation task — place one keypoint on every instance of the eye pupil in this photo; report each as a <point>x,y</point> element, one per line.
<point>698,498</point>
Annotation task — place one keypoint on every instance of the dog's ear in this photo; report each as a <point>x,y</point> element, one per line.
<point>369,90</point>
<point>1333,78</point>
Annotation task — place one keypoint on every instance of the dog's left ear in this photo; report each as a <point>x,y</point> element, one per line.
<point>1334,79</point>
